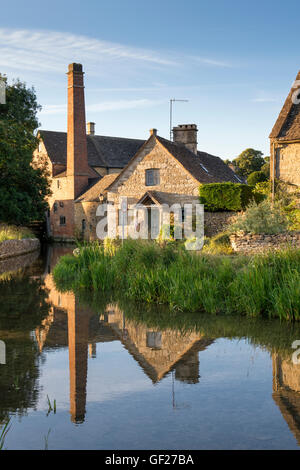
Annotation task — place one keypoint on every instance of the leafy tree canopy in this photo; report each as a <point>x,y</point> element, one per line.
<point>266,167</point>
<point>248,161</point>
<point>23,187</point>
<point>256,177</point>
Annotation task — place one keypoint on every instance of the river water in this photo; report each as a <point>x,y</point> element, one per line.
<point>87,372</point>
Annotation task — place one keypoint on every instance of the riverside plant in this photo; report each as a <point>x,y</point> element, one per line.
<point>12,232</point>
<point>3,433</point>
<point>262,285</point>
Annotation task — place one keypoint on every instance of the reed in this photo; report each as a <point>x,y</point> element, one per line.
<point>3,433</point>
<point>12,232</point>
<point>262,285</point>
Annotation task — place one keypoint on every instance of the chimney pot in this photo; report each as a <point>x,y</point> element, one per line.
<point>153,131</point>
<point>91,128</point>
<point>75,67</point>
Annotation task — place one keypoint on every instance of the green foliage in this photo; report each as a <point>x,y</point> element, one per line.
<point>23,187</point>
<point>256,177</point>
<point>261,218</point>
<point>218,245</point>
<point>292,212</point>
<point>248,161</point>
<point>266,167</point>
<point>226,196</point>
<point>144,272</point>
<point>11,232</point>
<point>263,188</point>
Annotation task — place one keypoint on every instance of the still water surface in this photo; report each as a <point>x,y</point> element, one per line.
<point>133,377</point>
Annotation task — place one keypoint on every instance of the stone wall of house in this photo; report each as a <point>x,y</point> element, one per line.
<point>86,211</point>
<point>10,248</point>
<point>288,163</point>
<point>216,222</point>
<point>173,178</point>
<point>250,243</point>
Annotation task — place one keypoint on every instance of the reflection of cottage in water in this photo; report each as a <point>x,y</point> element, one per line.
<point>158,352</point>
<point>286,391</point>
<point>80,328</point>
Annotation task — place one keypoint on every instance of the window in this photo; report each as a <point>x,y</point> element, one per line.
<point>83,225</point>
<point>58,184</point>
<point>55,206</point>
<point>152,177</point>
<point>61,204</point>
<point>62,220</point>
<point>153,339</point>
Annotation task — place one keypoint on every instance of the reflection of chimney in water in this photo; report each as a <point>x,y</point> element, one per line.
<point>187,369</point>
<point>78,329</point>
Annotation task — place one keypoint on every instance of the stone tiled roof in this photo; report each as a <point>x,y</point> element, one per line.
<point>204,167</point>
<point>97,188</point>
<point>159,197</point>
<point>287,126</point>
<point>103,151</point>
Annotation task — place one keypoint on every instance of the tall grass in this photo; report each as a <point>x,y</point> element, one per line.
<point>11,232</point>
<point>266,285</point>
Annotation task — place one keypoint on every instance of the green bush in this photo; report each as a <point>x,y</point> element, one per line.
<point>256,177</point>
<point>226,196</point>
<point>292,212</point>
<point>261,218</point>
<point>263,189</point>
<point>218,245</point>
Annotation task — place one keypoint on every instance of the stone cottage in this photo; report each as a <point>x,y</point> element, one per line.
<point>285,140</point>
<point>87,169</point>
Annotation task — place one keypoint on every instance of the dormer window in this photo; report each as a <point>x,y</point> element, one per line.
<point>152,177</point>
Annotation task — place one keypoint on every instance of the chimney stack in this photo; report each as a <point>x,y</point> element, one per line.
<point>153,131</point>
<point>90,128</point>
<point>186,134</point>
<point>77,160</point>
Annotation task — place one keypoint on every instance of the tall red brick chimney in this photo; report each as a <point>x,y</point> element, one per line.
<point>77,161</point>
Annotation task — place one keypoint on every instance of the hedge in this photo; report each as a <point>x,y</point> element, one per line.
<point>226,196</point>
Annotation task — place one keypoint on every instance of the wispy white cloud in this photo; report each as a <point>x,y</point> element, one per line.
<point>42,51</point>
<point>103,106</point>
<point>50,51</point>
<point>211,62</point>
<point>264,100</point>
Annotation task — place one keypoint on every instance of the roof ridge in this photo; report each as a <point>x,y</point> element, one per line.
<point>96,135</point>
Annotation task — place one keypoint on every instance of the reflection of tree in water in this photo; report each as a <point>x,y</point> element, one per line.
<point>23,306</point>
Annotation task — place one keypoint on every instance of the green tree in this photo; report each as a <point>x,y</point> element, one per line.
<point>23,187</point>
<point>256,177</point>
<point>248,161</point>
<point>266,167</point>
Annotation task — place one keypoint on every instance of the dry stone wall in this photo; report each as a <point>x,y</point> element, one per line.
<point>242,242</point>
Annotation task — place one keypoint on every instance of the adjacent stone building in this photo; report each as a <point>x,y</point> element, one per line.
<point>285,140</point>
<point>87,169</point>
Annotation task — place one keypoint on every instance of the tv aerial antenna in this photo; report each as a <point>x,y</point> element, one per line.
<point>172,100</point>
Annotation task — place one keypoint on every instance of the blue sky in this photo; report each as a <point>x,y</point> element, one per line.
<point>234,61</point>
